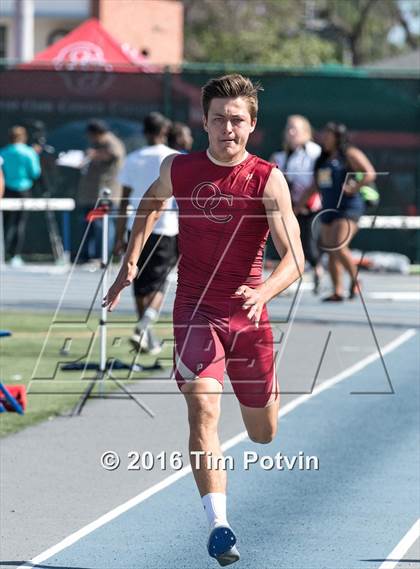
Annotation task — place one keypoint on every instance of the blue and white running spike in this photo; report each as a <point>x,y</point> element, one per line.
<point>221,545</point>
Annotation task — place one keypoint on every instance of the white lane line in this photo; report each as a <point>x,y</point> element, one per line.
<point>112,514</point>
<point>403,546</point>
<point>397,295</point>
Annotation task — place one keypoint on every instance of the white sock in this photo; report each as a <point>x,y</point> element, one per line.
<point>151,338</point>
<point>150,315</point>
<point>215,508</point>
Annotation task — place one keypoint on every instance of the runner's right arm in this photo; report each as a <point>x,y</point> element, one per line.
<point>148,212</point>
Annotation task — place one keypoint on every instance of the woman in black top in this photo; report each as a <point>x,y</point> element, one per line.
<point>342,204</point>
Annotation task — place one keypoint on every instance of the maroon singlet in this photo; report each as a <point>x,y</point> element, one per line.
<point>223,229</point>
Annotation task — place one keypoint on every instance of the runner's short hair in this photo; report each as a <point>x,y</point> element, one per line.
<point>232,86</point>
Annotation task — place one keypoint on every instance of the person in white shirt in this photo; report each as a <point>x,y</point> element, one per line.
<point>297,162</point>
<point>160,253</point>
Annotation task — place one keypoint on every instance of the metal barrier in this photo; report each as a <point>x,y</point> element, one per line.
<point>60,245</point>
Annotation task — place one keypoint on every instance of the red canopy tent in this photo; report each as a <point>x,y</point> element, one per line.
<point>81,74</point>
<point>87,47</point>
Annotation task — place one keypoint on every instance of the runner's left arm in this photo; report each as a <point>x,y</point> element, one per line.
<point>285,233</point>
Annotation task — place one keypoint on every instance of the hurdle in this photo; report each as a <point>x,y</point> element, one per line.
<point>104,367</point>
<point>60,246</point>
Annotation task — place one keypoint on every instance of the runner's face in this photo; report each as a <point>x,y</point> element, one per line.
<point>229,125</point>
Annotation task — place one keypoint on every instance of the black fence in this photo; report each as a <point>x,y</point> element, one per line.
<point>381,112</point>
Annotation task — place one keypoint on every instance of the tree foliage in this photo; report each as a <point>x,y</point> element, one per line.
<point>363,26</point>
<point>293,32</point>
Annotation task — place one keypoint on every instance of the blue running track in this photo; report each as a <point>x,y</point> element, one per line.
<point>347,515</point>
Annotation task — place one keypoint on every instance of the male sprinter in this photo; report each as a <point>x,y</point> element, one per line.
<point>228,200</point>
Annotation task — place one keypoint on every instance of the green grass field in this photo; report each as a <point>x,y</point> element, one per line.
<point>33,355</point>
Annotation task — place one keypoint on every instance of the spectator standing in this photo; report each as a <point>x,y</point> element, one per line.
<point>180,137</point>
<point>160,253</point>
<point>21,167</point>
<point>342,203</point>
<point>105,157</point>
<point>48,182</point>
<point>297,162</point>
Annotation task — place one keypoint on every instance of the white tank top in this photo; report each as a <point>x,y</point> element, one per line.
<point>141,168</point>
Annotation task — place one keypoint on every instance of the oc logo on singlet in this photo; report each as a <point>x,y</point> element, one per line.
<point>206,197</point>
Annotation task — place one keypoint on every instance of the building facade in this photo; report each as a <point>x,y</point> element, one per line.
<point>152,27</point>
